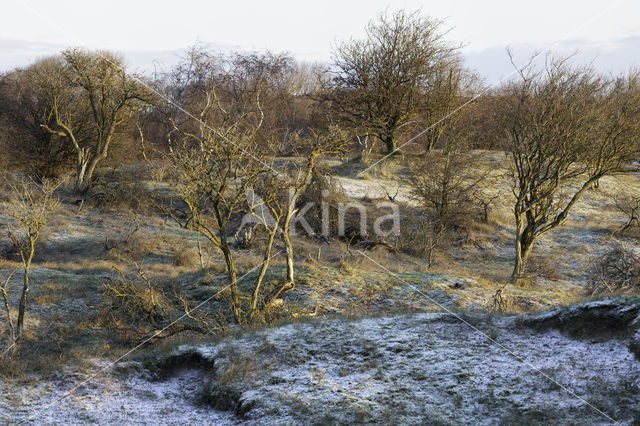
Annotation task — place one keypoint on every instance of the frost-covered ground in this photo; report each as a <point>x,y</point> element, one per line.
<point>421,368</point>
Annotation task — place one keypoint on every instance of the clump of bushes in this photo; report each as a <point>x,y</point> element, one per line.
<point>449,188</point>
<point>187,257</point>
<point>422,236</point>
<point>119,196</point>
<point>127,301</point>
<point>322,188</point>
<point>118,189</point>
<point>137,309</point>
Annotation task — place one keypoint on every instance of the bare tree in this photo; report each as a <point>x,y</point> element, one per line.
<point>30,207</point>
<point>23,109</point>
<point>311,148</point>
<point>222,181</point>
<point>223,153</point>
<point>216,155</point>
<point>213,180</point>
<point>385,81</point>
<point>566,128</point>
<point>84,82</point>
<point>450,89</point>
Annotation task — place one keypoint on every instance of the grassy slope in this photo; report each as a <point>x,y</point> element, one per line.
<point>72,262</point>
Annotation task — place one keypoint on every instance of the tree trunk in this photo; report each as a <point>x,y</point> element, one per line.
<point>81,185</point>
<point>286,239</point>
<point>231,270</point>
<point>289,283</point>
<point>200,256</point>
<point>86,167</point>
<point>25,292</point>
<point>524,244</point>
<point>85,175</point>
<point>391,144</point>
<point>519,266</point>
<point>92,168</point>
<point>263,270</point>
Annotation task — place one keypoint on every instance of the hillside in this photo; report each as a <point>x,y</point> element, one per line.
<point>365,336</point>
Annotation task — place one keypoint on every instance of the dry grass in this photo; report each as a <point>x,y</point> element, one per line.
<point>241,367</point>
<point>146,244</point>
<point>47,293</point>
<point>332,278</point>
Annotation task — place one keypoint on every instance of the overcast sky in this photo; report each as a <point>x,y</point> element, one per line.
<point>608,31</point>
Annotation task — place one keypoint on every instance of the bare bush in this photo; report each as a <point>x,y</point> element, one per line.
<point>322,187</point>
<point>135,300</point>
<point>630,207</point>
<point>136,309</point>
<point>542,267</point>
<point>423,236</point>
<point>29,209</point>
<point>187,257</point>
<point>617,270</point>
<point>133,244</point>
<point>27,146</point>
<point>117,190</point>
<point>448,186</point>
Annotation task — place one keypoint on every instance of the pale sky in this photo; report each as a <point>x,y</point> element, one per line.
<point>145,30</point>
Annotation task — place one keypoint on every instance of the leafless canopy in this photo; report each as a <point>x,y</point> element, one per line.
<point>566,127</point>
<point>398,72</point>
<point>29,209</point>
<point>89,96</point>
